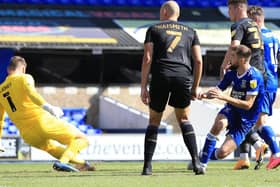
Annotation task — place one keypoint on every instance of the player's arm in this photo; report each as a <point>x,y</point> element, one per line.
<point>37,99</point>
<point>243,104</point>
<point>251,95</point>
<point>198,65</point>
<point>2,115</point>
<point>146,66</point>
<point>31,91</point>
<point>223,85</point>
<point>226,62</point>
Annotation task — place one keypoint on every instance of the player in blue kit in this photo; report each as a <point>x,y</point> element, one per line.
<point>242,109</point>
<point>271,52</point>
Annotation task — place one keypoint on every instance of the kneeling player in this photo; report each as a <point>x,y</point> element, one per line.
<point>242,108</point>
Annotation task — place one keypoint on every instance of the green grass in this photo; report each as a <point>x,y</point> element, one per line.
<point>127,174</point>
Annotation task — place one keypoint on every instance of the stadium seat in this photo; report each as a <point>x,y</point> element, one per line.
<point>8,1</point>
<point>218,3</point>
<point>269,3</point>
<point>12,130</point>
<point>135,3</point>
<point>5,132</point>
<point>92,2</point>
<point>92,131</point>
<point>79,2</point>
<point>6,123</point>
<point>22,1</point>
<point>254,2</point>
<point>190,3</point>
<point>120,2</point>
<point>106,2</point>
<point>64,2</point>
<point>202,4</point>
<point>150,3</point>
<point>74,116</point>
<point>83,128</point>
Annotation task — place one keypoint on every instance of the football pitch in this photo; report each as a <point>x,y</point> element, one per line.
<point>127,174</point>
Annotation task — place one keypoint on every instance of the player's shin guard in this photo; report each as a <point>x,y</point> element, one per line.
<point>208,148</point>
<point>73,149</point>
<point>245,146</point>
<point>189,138</point>
<point>267,133</point>
<point>252,137</point>
<point>150,144</point>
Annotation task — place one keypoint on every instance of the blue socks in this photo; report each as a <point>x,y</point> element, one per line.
<point>268,135</point>
<point>208,149</point>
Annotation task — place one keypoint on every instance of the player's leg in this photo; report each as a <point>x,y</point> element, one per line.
<point>188,136</point>
<point>180,99</point>
<point>68,135</point>
<point>253,139</point>
<point>243,162</point>
<point>227,148</point>
<point>266,132</point>
<point>159,93</point>
<point>75,145</point>
<point>37,138</point>
<point>150,141</point>
<point>258,144</point>
<point>56,150</point>
<point>209,149</point>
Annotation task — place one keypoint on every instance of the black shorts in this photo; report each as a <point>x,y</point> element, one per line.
<point>175,89</point>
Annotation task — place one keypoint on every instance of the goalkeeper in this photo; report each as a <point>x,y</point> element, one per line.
<point>38,122</point>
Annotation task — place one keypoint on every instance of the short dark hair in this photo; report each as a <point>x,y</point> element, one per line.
<point>235,2</point>
<point>242,51</point>
<point>15,61</point>
<point>255,11</point>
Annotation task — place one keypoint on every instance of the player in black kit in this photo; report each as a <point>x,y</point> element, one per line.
<point>168,50</point>
<point>246,32</point>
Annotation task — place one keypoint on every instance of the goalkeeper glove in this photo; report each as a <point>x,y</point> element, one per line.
<point>54,110</point>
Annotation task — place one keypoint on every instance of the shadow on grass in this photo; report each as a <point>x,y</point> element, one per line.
<point>98,173</point>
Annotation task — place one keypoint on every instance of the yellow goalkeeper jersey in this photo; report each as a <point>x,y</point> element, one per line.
<point>19,98</point>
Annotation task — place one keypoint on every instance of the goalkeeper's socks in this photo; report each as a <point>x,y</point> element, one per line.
<point>73,149</point>
<point>150,144</point>
<point>268,135</point>
<point>208,148</point>
<point>58,150</point>
<point>189,138</point>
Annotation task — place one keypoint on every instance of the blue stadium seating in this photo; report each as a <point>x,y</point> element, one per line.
<point>75,116</point>
<point>140,3</point>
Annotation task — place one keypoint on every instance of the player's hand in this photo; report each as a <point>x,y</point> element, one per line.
<point>215,93</point>
<point>196,93</point>
<point>54,110</point>
<point>145,96</point>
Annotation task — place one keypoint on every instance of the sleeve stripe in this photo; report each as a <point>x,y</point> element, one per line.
<point>253,93</point>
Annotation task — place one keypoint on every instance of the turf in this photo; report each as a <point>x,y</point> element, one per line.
<point>127,174</point>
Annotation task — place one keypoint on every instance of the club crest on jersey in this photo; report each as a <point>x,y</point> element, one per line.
<point>253,84</point>
<point>243,84</point>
